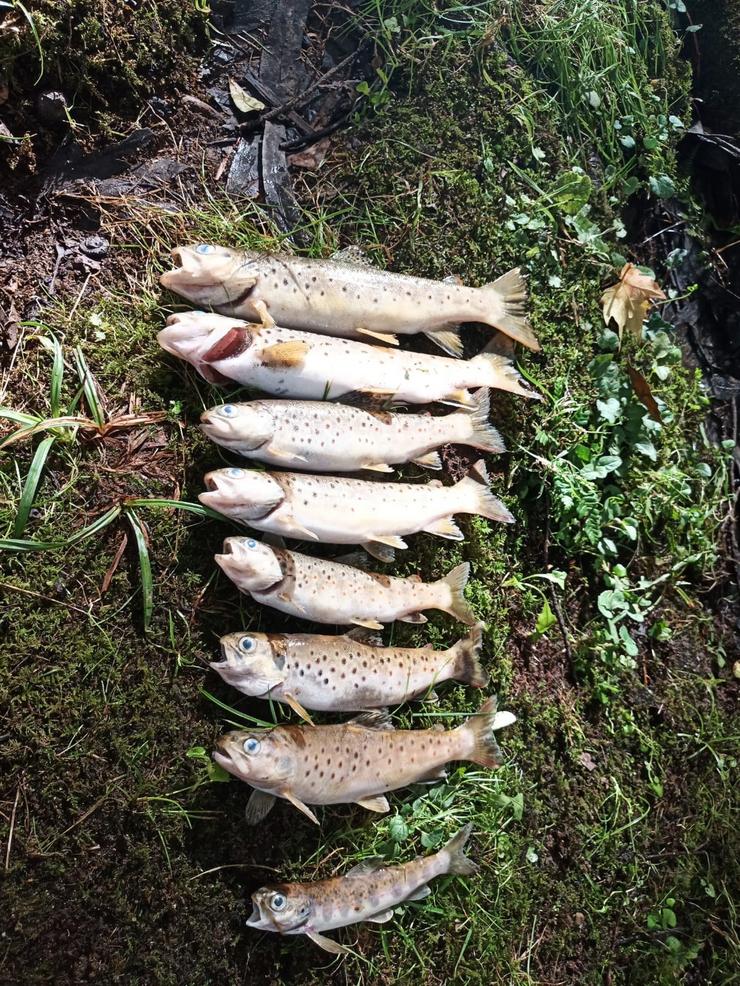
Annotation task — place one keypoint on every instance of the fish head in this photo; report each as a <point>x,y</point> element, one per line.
<point>211,275</point>
<point>248,493</point>
<point>283,907</point>
<point>250,564</point>
<point>264,758</point>
<point>250,662</point>
<point>202,338</point>
<point>248,425</point>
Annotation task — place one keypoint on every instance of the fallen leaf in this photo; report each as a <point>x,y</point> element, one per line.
<point>628,301</point>
<point>643,393</point>
<point>312,158</point>
<point>242,100</point>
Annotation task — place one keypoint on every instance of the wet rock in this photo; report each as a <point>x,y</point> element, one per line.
<point>51,108</point>
<point>244,172</point>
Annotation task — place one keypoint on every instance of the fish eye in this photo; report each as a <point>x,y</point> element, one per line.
<point>250,542</point>
<point>247,643</point>
<point>228,410</point>
<point>235,472</point>
<point>279,902</point>
<point>205,248</point>
<point>252,745</point>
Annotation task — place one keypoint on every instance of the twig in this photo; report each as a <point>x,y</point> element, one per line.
<point>303,96</point>
<point>564,631</point>
<point>12,827</point>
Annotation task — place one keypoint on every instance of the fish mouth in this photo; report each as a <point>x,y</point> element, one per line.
<point>255,919</point>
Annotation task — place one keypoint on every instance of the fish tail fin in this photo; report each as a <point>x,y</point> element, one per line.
<point>481,728</point>
<point>484,436</point>
<point>509,292</point>
<point>482,501</point>
<point>467,667</point>
<point>502,374</point>
<point>455,582</point>
<point>459,863</point>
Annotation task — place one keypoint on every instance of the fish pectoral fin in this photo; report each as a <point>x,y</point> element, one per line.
<point>388,539</point>
<point>387,337</point>
<point>370,865</point>
<point>381,917</point>
<point>277,453</point>
<point>372,719</point>
<point>370,624</point>
<point>413,618</point>
<point>379,804</point>
<point>445,528</point>
<point>449,340</point>
<point>258,806</point>
<point>377,466</point>
<point>265,317</point>
<point>364,636</point>
<point>296,706</point>
<point>300,806</point>
<point>420,893</point>
<point>328,944</point>
<point>284,353</point>
<point>430,461</point>
<point>294,529</point>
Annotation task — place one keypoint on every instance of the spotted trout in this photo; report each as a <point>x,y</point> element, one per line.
<point>353,300</point>
<point>285,363</point>
<point>339,510</point>
<point>331,592</point>
<point>368,892</point>
<point>324,436</point>
<point>353,762</point>
<point>351,672</point>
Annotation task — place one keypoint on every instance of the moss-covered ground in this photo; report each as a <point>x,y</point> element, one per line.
<point>607,840</point>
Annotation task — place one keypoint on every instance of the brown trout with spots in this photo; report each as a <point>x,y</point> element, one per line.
<point>353,300</point>
<point>347,673</point>
<point>324,436</point>
<point>368,892</point>
<point>353,762</point>
<point>330,592</point>
<point>285,363</point>
<point>338,510</point>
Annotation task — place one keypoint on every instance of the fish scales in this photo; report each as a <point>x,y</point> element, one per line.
<point>324,436</point>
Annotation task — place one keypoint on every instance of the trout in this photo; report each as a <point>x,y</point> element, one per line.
<point>354,762</point>
<point>368,892</point>
<point>323,436</point>
<point>351,300</point>
<point>285,363</point>
<point>330,592</point>
<point>352,672</point>
<point>338,510</point>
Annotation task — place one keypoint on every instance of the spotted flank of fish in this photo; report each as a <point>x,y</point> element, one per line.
<point>368,892</point>
<point>353,762</point>
<point>352,300</point>
<point>331,592</point>
<point>339,510</point>
<point>285,363</point>
<point>325,436</point>
<point>346,673</point>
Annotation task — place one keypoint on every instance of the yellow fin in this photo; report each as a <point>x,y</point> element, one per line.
<point>386,337</point>
<point>370,624</point>
<point>378,467</point>
<point>296,706</point>
<point>391,540</point>
<point>459,398</point>
<point>284,353</point>
<point>413,618</point>
<point>445,528</point>
<point>300,806</point>
<point>430,460</point>
<point>328,944</point>
<point>379,804</point>
<point>449,341</point>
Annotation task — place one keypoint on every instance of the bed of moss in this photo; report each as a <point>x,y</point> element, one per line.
<point>605,840</point>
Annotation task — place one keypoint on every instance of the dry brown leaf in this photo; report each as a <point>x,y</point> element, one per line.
<point>643,393</point>
<point>242,100</point>
<point>628,301</point>
<point>313,157</point>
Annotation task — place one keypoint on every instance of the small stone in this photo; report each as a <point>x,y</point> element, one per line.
<point>52,107</point>
<point>95,246</point>
<point>579,919</point>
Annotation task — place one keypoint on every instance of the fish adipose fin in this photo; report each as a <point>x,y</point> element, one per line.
<point>379,804</point>
<point>445,528</point>
<point>458,861</point>
<point>456,580</point>
<point>300,806</point>
<point>284,354</point>
<point>381,917</point>
<point>328,944</point>
<point>386,337</point>
<point>467,665</point>
<point>484,436</point>
<point>258,807</point>
<point>430,461</point>
<point>379,550</point>
<point>482,727</point>
<point>448,339</point>
<point>509,296</point>
<point>483,502</point>
<point>503,375</point>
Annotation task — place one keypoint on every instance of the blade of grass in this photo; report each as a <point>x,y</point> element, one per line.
<point>97,525</point>
<point>57,374</point>
<point>19,545</point>
<point>30,544</point>
<point>194,508</point>
<point>235,712</point>
<point>18,416</point>
<point>89,387</point>
<point>45,424</point>
<point>145,566</point>
<point>28,494</point>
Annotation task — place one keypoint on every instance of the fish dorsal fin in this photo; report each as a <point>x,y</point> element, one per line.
<point>284,353</point>
<point>354,255</point>
<point>370,865</point>
<point>328,944</point>
<point>453,279</point>
<point>375,719</point>
<point>364,636</point>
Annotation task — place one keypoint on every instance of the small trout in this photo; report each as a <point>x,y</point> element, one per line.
<point>354,762</point>
<point>347,673</point>
<point>323,436</point>
<point>286,363</point>
<point>330,592</point>
<point>338,510</point>
<point>368,892</point>
<point>352,300</point>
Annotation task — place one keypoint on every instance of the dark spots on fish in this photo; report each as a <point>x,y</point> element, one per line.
<point>314,278</point>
